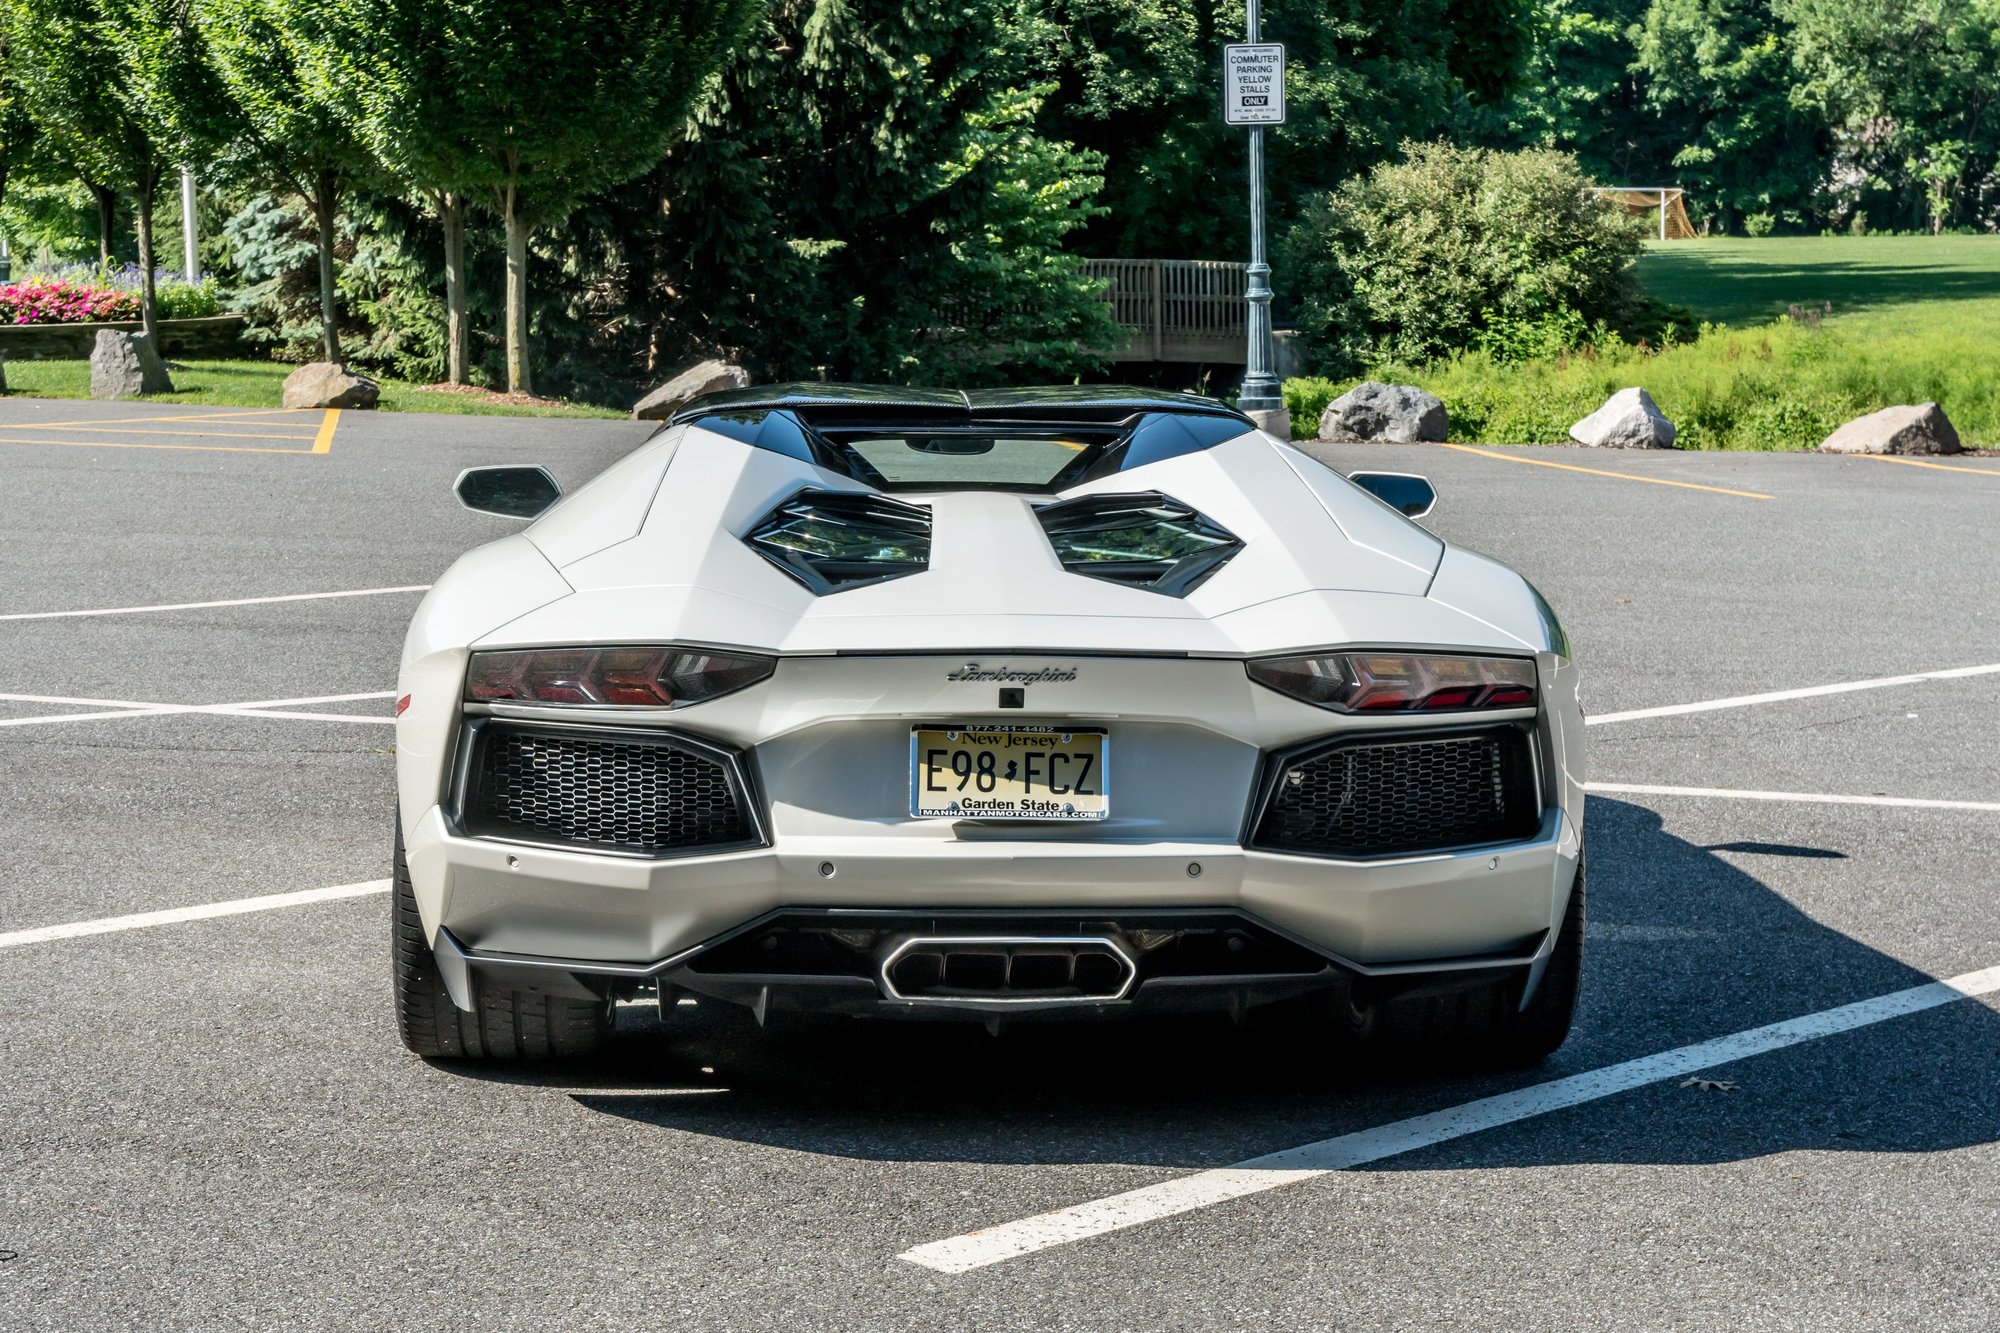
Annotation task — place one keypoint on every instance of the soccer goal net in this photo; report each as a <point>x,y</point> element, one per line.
<point>1661,207</point>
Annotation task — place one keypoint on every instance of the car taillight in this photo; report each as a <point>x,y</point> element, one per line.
<point>627,677</point>
<point>1400,682</point>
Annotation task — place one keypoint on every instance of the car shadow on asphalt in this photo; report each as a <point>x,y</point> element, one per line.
<point>1682,946</point>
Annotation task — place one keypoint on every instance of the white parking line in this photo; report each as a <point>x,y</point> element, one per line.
<point>1780,696</point>
<point>295,716</point>
<point>84,717</point>
<point>279,708</point>
<point>1814,798</point>
<point>311,699</point>
<point>197,606</point>
<point>1065,1226</point>
<point>109,925</point>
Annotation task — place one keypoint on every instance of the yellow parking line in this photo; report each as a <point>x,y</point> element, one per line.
<point>198,434</point>
<point>135,444</point>
<point>321,438</point>
<point>1940,467</point>
<point>157,416</point>
<point>1600,472</point>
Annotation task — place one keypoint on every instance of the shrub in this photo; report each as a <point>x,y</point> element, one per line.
<point>1455,248</point>
<point>1759,224</point>
<point>1306,398</point>
<point>175,298</point>
<point>1509,339</point>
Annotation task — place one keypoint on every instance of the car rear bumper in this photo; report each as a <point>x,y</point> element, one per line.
<point>846,961</point>
<point>502,908</point>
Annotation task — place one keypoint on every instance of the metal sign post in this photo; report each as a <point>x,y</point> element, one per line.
<point>1253,84</point>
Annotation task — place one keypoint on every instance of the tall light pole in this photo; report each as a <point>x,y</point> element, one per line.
<point>190,264</point>
<point>1254,96</point>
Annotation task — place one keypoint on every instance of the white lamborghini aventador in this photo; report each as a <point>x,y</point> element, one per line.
<point>988,705</point>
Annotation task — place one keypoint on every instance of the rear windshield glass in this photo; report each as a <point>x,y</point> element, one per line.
<point>1031,456</point>
<point>957,459</point>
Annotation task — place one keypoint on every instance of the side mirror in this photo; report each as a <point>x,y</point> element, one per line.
<point>511,491</point>
<point>1406,492</point>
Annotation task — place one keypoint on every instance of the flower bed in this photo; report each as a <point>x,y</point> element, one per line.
<point>97,294</point>
<point>64,301</point>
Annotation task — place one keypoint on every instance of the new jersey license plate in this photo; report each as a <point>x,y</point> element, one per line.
<point>1002,772</point>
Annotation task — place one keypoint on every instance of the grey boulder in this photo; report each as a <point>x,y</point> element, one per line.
<point>696,380</point>
<point>1922,429</point>
<point>1629,419</point>
<point>1375,411</point>
<point>325,384</point>
<point>126,365</point>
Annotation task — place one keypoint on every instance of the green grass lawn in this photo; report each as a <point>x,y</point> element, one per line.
<point>261,384</point>
<point>1913,319</point>
<point>1740,282</point>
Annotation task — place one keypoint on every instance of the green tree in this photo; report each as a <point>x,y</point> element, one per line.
<point>1939,169</point>
<point>406,106</point>
<point>539,103</point>
<point>1140,82</point>
<point>1719,73</point>
<point>866,198</point>
<point>39,194</point>
<point>80,79</point>
<point>237,95</point>
<point>1895,81</point>
<point>17,131</point>
<point>1579,94</point>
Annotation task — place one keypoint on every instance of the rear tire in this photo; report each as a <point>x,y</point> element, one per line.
<point>1483,1024</point>
<point>505,1024</point>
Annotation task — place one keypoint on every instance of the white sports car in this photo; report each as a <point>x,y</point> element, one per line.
<point>1032,702</point>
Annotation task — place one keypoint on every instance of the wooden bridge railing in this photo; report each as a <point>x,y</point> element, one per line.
<point>1176,309</point>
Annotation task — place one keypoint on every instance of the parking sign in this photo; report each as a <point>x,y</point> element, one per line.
<point>1253,84</point>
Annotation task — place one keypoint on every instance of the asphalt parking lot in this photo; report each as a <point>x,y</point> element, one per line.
<point>1794,682</point>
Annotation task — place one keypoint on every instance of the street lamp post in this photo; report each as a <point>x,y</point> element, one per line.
<point>1261,398</point>
<point>190,264</point>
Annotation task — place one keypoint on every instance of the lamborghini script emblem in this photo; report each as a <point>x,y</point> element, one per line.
<point>1011,676</point>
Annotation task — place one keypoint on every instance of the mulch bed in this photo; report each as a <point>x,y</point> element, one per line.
<point>493,395</point>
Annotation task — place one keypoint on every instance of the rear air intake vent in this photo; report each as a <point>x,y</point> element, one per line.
<point>1144,540</point>
<point>834,540</point>
<point>616,789</point>
<point>1394,795</point>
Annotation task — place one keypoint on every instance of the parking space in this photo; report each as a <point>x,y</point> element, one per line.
<point>213,1125</point>
<point>261,430</point>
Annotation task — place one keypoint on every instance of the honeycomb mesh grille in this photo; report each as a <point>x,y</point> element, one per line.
<point>1377,798</point>
<point>637,795</point>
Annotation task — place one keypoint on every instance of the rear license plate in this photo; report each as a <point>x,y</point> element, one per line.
<point>1009,773</point>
